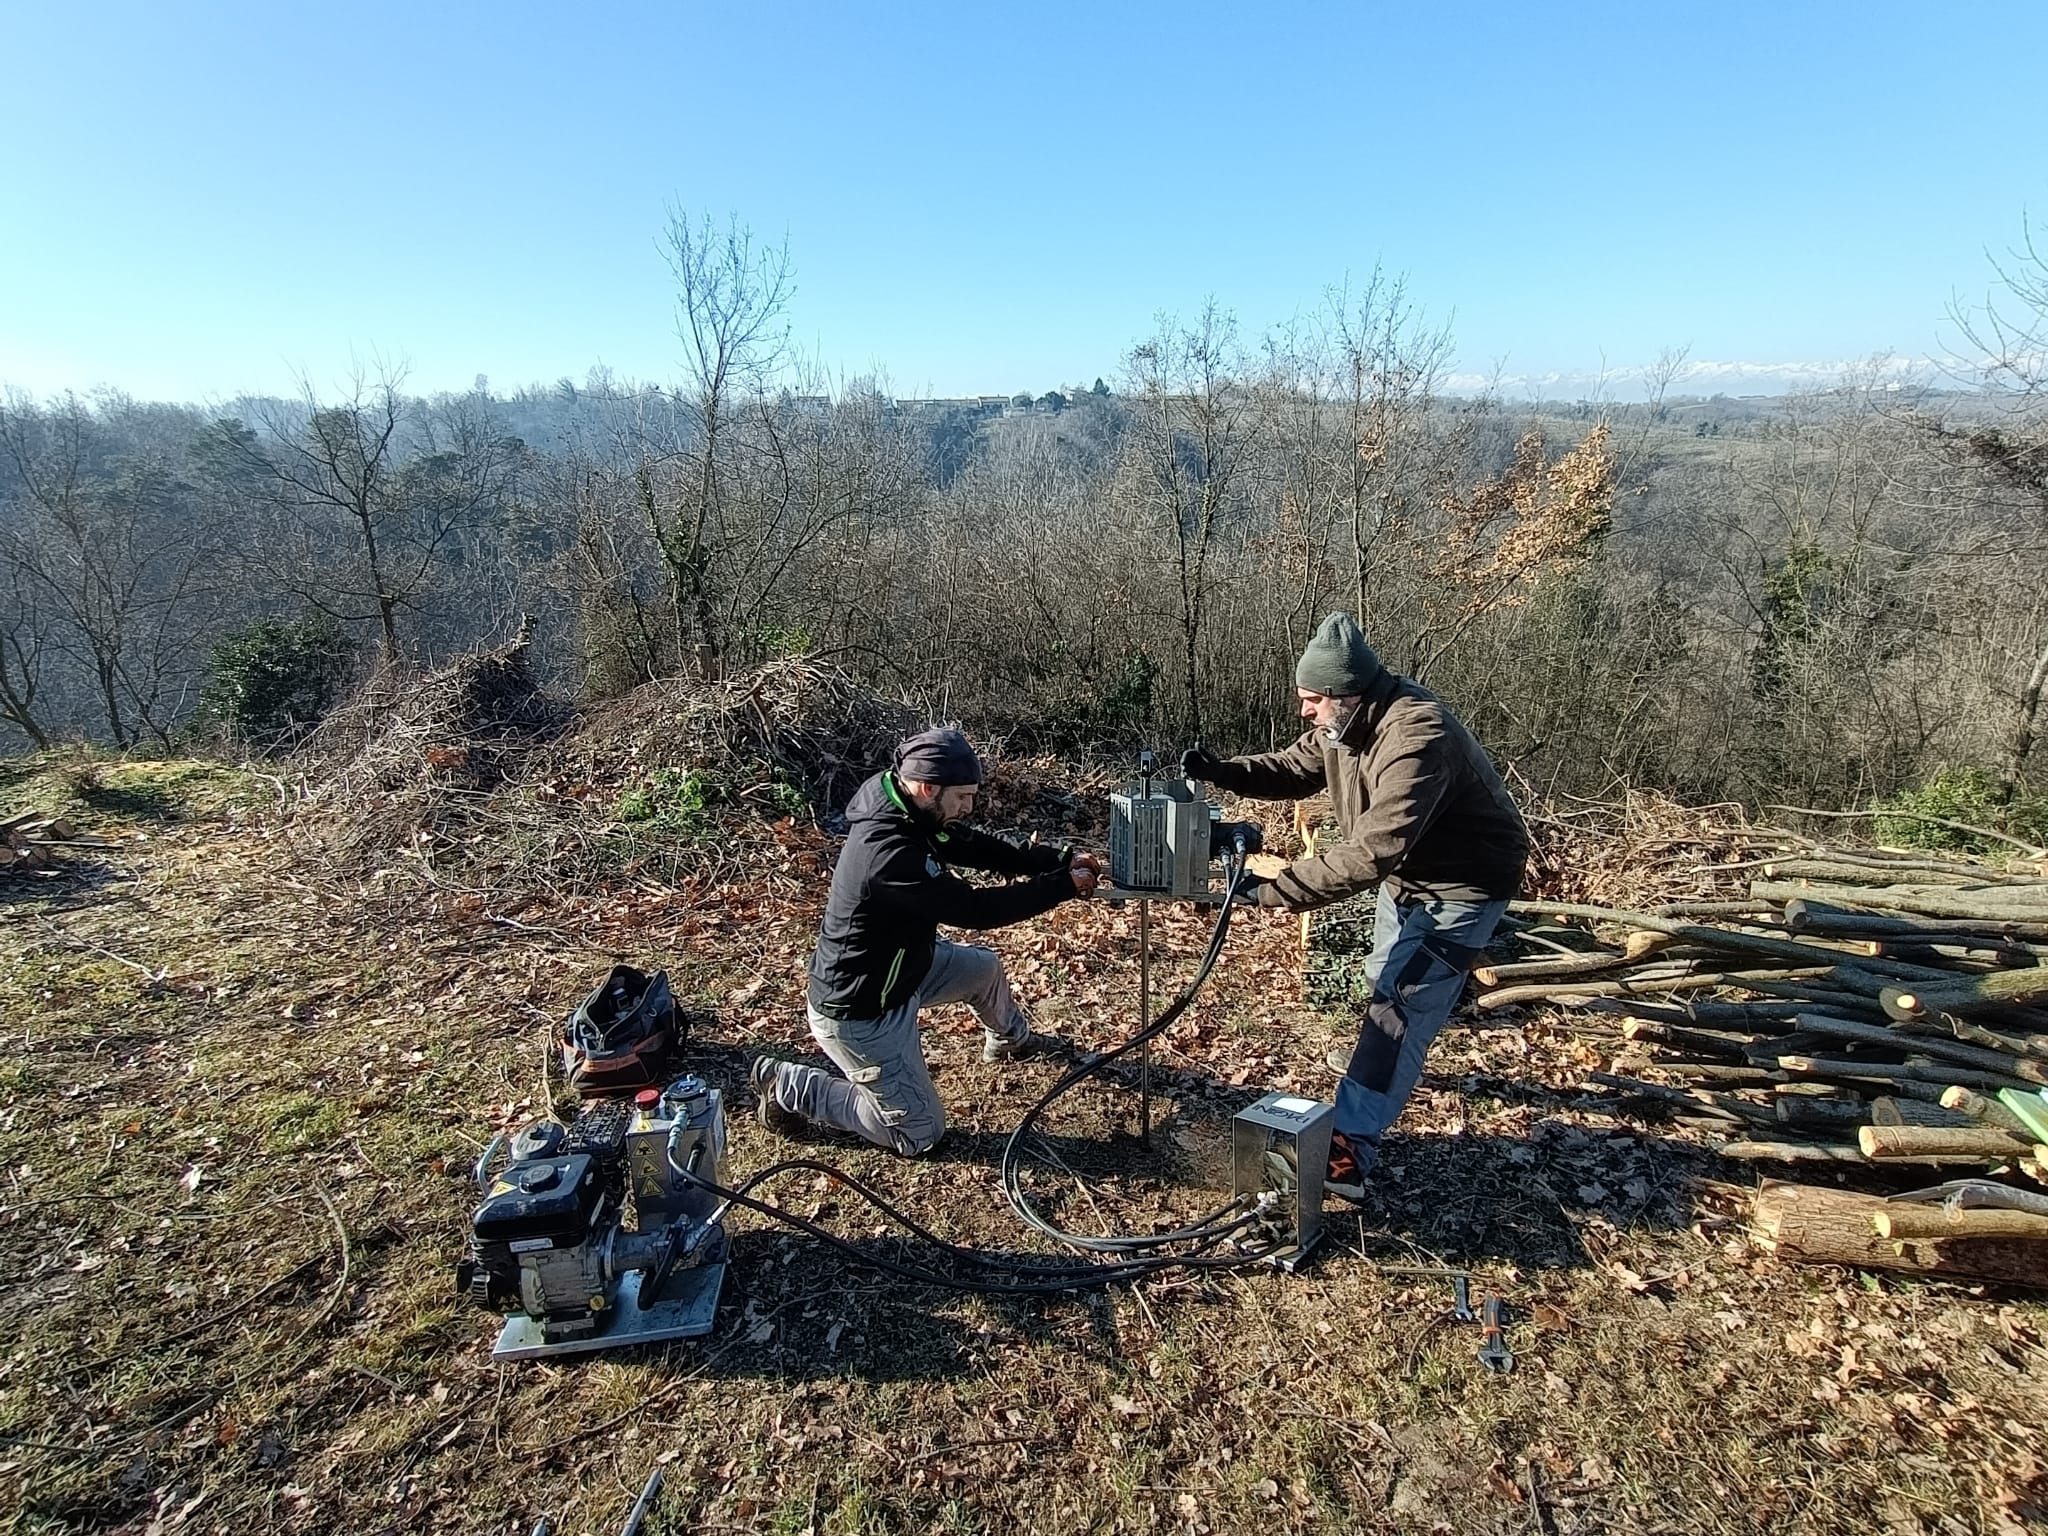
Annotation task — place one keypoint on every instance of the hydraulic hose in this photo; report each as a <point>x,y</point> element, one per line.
<point>1205,1229</point>
<point>971,1269</point>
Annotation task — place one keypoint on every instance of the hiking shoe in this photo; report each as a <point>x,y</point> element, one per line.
<point>1033,1044</point>
<point>1339,1059</point>
<point>1346,1175</point>
<point>768,1114</point>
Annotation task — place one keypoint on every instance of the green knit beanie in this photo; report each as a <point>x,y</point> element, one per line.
<point>1338,663</point>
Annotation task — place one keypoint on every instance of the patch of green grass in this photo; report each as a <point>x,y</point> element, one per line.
<point>84,785</point>
<point>299,1121</point>
<point>677,802</point>
<point>861,1510</point>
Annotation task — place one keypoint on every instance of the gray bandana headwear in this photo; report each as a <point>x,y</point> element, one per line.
<point>941,756</point>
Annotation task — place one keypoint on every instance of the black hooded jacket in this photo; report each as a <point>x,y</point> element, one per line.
<point>890,892</point>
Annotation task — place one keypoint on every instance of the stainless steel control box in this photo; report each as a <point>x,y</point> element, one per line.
<point>1280,1151</point>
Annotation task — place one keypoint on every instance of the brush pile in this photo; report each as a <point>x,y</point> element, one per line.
<point>474,775</point>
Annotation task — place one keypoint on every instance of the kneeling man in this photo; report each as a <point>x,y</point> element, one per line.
<point>880,961</point>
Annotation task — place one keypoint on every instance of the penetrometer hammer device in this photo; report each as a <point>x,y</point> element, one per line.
<point>1165,841</point>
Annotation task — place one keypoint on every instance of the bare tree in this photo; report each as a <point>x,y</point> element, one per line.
<point>104,561</point>
<point>1192,430</point>
<point>1406,452</point>
<point>730,298</point>
<point>371,493</point>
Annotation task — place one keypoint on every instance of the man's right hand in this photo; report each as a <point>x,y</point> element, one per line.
<point>1198,762</point>
<point>1086,871</point>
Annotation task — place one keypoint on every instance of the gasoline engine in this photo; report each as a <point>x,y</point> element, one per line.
<point>598,1234</point>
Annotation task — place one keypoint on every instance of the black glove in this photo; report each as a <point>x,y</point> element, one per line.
<point>1247,888</point>
<point>1198,762</point>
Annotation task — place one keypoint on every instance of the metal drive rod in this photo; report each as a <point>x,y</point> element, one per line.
<point>1145,1020</point>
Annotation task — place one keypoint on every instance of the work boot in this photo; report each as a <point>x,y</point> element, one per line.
<point>1339,1059</point>
<point>995,1048</point>
<point>1346,1175</point>
<point>770,1115</point>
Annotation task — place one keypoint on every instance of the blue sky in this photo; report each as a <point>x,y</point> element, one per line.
<point>207,199</point>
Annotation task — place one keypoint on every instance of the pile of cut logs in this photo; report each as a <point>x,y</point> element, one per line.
<point>27,836</point>
<point>1892,1018</point>
<point>1857,1006</point>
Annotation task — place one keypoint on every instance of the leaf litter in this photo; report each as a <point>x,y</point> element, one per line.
<point>250,1060</point>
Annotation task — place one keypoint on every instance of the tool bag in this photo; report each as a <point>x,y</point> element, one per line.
<point>624,1036</point>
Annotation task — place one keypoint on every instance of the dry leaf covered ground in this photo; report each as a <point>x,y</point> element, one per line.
<point>241,1087</point>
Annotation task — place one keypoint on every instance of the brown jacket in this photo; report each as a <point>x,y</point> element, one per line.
<point>1419,805</point>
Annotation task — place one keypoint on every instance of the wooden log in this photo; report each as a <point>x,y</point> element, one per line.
<point>1958,950</point>
<point>1752,1018</point>
<point>1801,1042</point>
<point>1803,1224</point>
<point>1657,1091</point>
<point>1867,874</point>
<point>1972,995</point>
<point>1900,1220</point>
<point>1837,1117</point>
<point>2024,904</point>
<point>1538,991</point>
<point>1789,950</point>
<point>1698,1041</point>
<point>1969,1033</point>
<point>1803,916</point>
<point>1934,1075</point>
<point>1789,1152</point>
<point>1980,1107</point>
<point>1757,909</point>
<point>1590,962</point>
<point>1975,1057</point>
<point>1883,859</point>
<point>1891,1109</point>
<point>1726,1076</point>
<point>1880,1142</point>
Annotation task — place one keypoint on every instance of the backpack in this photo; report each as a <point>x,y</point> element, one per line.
<point>623,1036</point>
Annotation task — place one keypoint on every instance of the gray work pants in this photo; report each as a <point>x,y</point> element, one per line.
<point>1422,951</point>
<point>887,1095</point>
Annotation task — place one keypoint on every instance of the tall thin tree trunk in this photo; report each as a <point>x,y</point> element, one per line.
<point>2030,709</point>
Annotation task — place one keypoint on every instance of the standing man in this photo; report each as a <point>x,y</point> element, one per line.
<point>879,960</point>
<point>1424,816</point>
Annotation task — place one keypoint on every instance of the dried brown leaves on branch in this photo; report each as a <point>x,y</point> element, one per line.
<point>1536,519</point>
<point>1642,849</point>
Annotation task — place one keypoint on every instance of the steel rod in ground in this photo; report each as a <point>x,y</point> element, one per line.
<point>1145,1019</point>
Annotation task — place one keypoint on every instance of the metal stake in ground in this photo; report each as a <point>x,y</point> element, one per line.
<point>1145,1020</point>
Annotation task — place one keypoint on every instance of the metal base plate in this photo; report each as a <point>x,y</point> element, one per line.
<point>1291,1259</point>
<point>688,1304</point>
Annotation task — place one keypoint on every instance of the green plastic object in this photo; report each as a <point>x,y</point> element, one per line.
<point>2030,1109</point>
